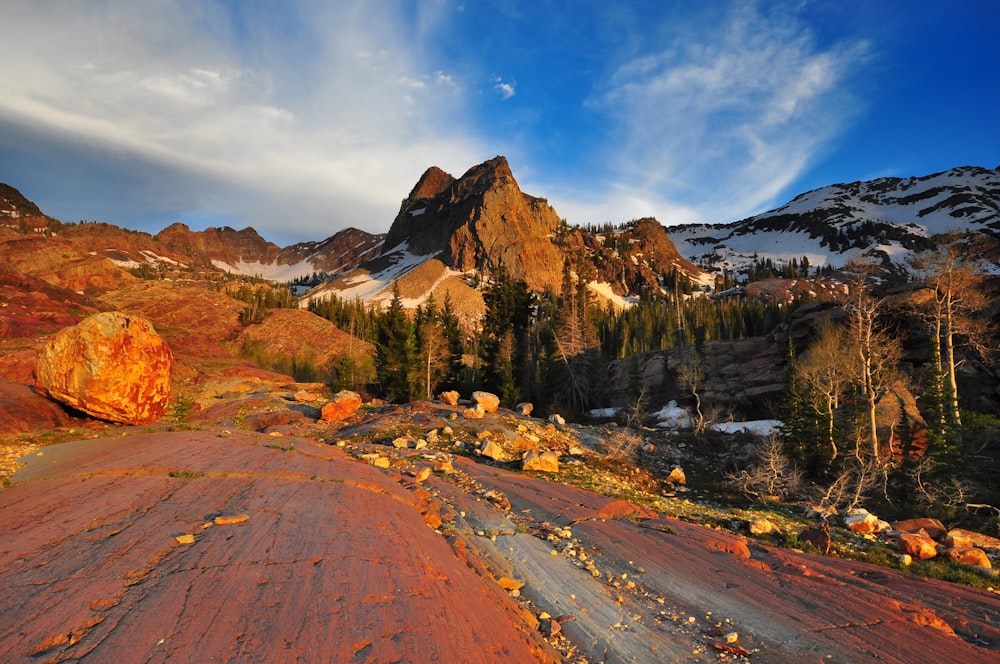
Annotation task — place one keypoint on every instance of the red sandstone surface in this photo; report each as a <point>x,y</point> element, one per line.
<point>299,552</point>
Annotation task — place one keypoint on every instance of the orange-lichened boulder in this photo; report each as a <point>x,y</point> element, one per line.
<point>917,545</point>
<point>344,404</point>
<point>111,365</point>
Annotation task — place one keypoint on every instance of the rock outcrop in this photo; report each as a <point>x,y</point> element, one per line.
<point>480,221</point>
<point>111,365</point>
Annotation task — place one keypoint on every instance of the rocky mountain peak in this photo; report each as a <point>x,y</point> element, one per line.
<point>479,221</point>
<point>430,184</point>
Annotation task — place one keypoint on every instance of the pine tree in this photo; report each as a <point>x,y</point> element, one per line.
<point>395,348</point>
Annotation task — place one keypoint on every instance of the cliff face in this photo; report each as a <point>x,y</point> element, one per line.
<point>223,244</point>
<point>479,221</point>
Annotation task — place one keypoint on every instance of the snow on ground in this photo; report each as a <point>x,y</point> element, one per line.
<point>269,271</point>
<point>367,286</point>
<point>673,416</point>
<point>620,302</point>
<point>756,427</point>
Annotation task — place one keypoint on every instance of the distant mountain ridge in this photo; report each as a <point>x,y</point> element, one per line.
<point>891,217</point>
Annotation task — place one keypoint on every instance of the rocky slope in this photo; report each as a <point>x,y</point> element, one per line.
<point>889,216</point>
<point>207,544</point>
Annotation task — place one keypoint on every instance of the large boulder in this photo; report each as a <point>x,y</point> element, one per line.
<point>489,401</point>
<point>111,365</point>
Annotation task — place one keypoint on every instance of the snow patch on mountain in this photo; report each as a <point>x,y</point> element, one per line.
<point>269,271</point>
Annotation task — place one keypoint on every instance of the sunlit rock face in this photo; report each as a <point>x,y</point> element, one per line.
<point>111,365</point>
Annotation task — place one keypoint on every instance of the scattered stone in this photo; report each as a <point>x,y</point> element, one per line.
<point>969,555</point>
<point>649,448</point>
<point>977,539</point>
<point>491,450</point>
<point>402,443</point>
<point>476,413</point>
<point>444,467</point>
<point>185,539</point>
<point>577,450</point>
<point>677,476</point>
<point>450,397</point>
<point>381,462</point>
<point>343,404</point>
<point>487,400</point>
<point>556,418</point>
<point>732,637</point>
<point>229,519</point>
<point>762,527</point>
<point>524,409</point>
<point>545,462</point>
<point>432,437</point>
<point>932,527</point>
<point>419,444</point>
<point>905,559</point>
<point>510,584</point>
<point>111,365</point>
<point>447,431</point>
<point>818,536</point>
<point>861,521</point>
<point>957,540</point>
<point>305,396</point>
<point>918,545</point>
<point>423,473</point>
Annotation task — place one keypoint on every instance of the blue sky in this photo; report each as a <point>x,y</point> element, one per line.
<point>302,117</point>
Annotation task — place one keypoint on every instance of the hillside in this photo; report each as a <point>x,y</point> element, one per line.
<point>892,217</point>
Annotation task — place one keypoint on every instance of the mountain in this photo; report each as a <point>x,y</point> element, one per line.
<point>246,252</point>
<point>890,217</point>
<point>451,231</point>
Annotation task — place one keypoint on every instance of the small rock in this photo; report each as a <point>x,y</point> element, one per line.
<point>677,476</point>
<point>343,404</point>
<point>185,539</point>
<point>969,556</point>
<point>423,473</point>
<point>732,637</point>
<point>762,527</point>
<point>402,443</point>
<point>450,397</point>
<point>918,545</point>
<point>229,519</point>
<point>491,450</point>
<point>444,467</point>
<point>524,409</point>
<point>861,521</point>
<point>432,437</point>
<point>510,584</point>
<point>905,559</point>
<point>934,528</point>
<point>556,418</point>
<point>476,413</point>
<point>576,450</point>
<point>447,431</point>
<point>546,462</point>
<point>305,396</point>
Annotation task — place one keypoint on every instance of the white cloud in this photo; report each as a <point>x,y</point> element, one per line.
<point>724,118</point>
<point>330,127</point>
<point>505,89</point>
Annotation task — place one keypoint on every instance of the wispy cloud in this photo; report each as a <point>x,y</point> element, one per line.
<point>232,100</point>
<point>504,88</point>
<point>721,119</point>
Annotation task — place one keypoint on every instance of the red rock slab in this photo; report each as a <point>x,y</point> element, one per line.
<point>333,563</point>
<point>22,410</point>
<point>796,607</point>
